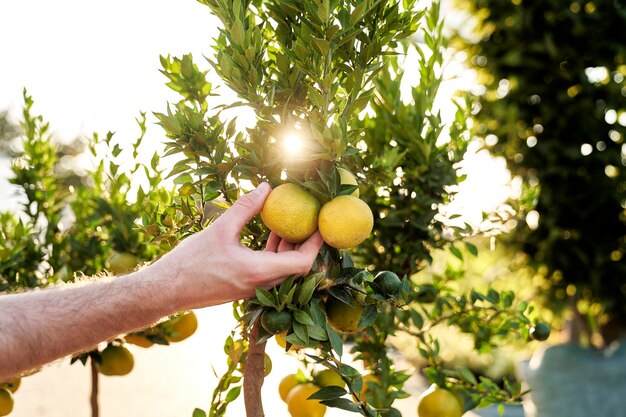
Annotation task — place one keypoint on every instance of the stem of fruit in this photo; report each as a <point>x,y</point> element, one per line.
<point>254,374</point>
<point>95,408</point>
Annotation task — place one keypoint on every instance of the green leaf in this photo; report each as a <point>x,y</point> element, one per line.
<point>303,317</point>
<point>301,331</point>
<point>198,413</point>
<point>265,297</point>
<point>335,340</point>
<point>471,248</point>
<point>456,252</point>
<point>328,393</point>
<point>467,375</point>
<point>306,290</point>
<point>368,316</point>
<point>316,332</point>
<point>343,404</point>
<point>233,394</point>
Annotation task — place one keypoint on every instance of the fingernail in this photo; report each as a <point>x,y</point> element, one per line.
<point>262,188</point>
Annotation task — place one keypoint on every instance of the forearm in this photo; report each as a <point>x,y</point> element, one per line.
<point>42,326</point>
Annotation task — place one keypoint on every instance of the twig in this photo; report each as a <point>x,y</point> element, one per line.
<point>95,408</point>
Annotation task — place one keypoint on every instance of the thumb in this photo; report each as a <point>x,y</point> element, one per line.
<point>245,208</point>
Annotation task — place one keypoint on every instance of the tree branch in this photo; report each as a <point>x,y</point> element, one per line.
<point>254,374</point>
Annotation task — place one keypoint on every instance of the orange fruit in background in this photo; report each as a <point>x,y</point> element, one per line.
<point>439,402</point>
<point>116,361</point>
<point>299,406</point>
<point>291,212</point>
<point>345,221</point>
<point>6,402</point>
<point>346,177</point>
<point>329,377</point>
<point>286,385</point>
<point>122,263</point>
<point>138,340</point>
<point>366,380</point>
<point>183,327</point>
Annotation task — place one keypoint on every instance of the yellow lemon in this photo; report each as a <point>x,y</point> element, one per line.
<point>343,317</point>
<point>439,402</point>
<point>138,340</point>
<point>183,327</point>
<point>291,212</point>
<point>299,406</point>
<point>6,402</point>
<point>345,221</point>
<point>116,361</point>
<point>366,381</point>
<point>329,377</point>
<point>122,263</point>
<point>286,385</point>
<point>347,178</point>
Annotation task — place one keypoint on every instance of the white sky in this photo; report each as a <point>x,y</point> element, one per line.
<point>93,66</point>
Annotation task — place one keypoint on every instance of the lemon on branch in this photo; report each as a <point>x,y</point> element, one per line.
<point>343,317</point>
<point>183,327</point>
<point>116,361</point>
<point>291,212</point>
<point>286,384</point>
<point>299,405</point>
<point>345,221</point>
<point>329,377</point>
<point>439,402</point>
<point>6,402</point>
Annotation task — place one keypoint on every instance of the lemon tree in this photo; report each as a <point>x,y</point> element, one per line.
<point>370,174</point>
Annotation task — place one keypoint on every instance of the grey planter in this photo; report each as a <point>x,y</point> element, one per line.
<point>570,381</point>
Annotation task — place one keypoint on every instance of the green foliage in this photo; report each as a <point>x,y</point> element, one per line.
<point>554,77</point>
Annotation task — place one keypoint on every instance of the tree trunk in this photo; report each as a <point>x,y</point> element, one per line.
<point>95,409</point>
<point>254,374</point>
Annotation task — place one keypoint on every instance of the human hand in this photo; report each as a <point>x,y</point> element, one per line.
<point>213,267</point>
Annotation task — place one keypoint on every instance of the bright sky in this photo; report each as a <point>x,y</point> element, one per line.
<point>93,66</point>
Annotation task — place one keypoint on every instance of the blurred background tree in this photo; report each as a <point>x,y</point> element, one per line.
<point>554,105</point>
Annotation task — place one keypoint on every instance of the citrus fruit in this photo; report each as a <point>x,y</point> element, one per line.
<point>116,360</point>
<point>276,321</point>
<point>343,317</point>
<point>540,331</point>
<point>183,327</point>
<point>267,365</point>
<point>291,212</point>
<point>439,402</point>
<point>122,263</point>
<point>138,340</point>
<point>345,221</point>
<point>367,379</point>
<point>12,385</point>
<point>346,177</point>
<point>329,377</point>
<point>286,385</point>
<point>299,406</point>
<point>388,282</point>
<point>6,402</point>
